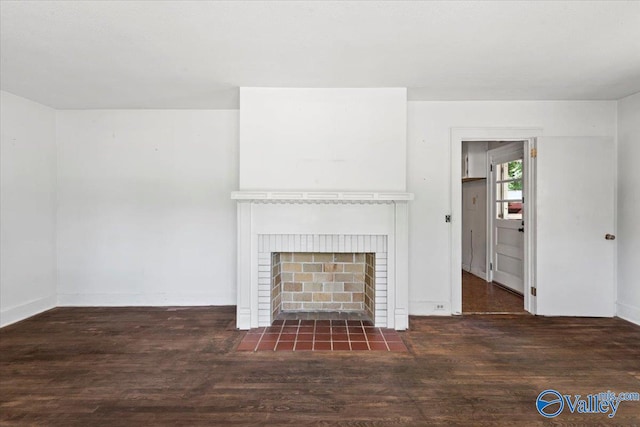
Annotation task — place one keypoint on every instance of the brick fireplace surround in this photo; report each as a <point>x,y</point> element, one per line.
<point>343,226</point>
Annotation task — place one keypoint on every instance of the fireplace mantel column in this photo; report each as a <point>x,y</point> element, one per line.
<point>401,313</point>
<point>245,318</point>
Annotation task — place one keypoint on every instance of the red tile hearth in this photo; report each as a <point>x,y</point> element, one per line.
<point>322,335</point>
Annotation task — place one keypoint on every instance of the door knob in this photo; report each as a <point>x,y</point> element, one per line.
<point>610,237</point>
<point>521,230</point>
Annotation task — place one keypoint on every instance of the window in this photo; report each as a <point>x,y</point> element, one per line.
<point>509,190</point>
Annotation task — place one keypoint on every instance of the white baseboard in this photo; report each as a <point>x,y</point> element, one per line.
<point>141,300</point>
<point>243,318</point>
<point>628,312</point>
<point>28,309</point>
<point>476,271</point>
<point>428,308</point>
<point>401,319</point>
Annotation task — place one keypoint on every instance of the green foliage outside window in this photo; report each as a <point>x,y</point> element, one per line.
<point>515,172</point>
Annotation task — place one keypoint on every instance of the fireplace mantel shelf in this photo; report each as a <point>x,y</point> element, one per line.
<point>321,196</point>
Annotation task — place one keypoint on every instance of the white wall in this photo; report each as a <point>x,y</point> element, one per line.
<point>628,227</point>
<point>474,222</point>
<point>27,208</point>
<point>323,139</point>
<point>145,216</point>
<point>429,168</point>
<point>144,209</point>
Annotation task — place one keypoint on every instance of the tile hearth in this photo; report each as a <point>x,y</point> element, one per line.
<point>322,335</point>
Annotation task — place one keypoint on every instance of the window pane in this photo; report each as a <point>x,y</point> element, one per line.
<point>509,210</point>
<point>511,171</point>
<point>514,210</point>
<point>514,170</point>
<point>504,191</point>
<point>516,186</point>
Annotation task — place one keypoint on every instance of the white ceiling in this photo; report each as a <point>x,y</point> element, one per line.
<point>173,54</point>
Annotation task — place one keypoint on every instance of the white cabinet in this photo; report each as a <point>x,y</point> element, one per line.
<point>474,159</point>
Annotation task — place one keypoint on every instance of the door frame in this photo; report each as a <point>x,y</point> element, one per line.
<point>457,136</point>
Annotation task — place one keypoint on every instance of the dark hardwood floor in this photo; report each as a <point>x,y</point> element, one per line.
<point>479,296</point>
<point>164,366</point>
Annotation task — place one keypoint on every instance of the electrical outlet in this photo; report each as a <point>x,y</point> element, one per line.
<point>439,307</point>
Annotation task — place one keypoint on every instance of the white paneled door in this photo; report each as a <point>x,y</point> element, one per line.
<point>575,226</point>
<point>506,219</point>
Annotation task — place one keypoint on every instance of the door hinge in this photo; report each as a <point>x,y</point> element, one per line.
<point>533,291</point>
<point>491,168</point>
<point>534,153</point>
<point>491,266</point>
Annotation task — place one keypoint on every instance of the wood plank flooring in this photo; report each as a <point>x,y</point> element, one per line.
<point>179,366</point>
<point>479,296</point>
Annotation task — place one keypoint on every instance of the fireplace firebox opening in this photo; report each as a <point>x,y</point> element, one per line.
<point>323,282</point>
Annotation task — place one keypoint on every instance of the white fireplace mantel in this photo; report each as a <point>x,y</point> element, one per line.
<point>321,196</point>
<point>332,216</point>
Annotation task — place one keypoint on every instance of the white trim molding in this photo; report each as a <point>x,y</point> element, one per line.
<point>24,311</point>
<point>628,312</point>
<point>320,196</point>
<point>476,271</point>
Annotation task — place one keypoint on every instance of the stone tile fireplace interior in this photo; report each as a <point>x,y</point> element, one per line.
<point>323,282</point>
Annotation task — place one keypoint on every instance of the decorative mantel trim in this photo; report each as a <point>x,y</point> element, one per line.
<point>320,196</point>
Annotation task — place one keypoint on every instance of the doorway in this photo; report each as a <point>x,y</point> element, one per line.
<point>458,136</point>
<point>492,227</point>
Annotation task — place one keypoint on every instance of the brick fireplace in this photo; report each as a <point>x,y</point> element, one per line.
<point>321,252</point>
